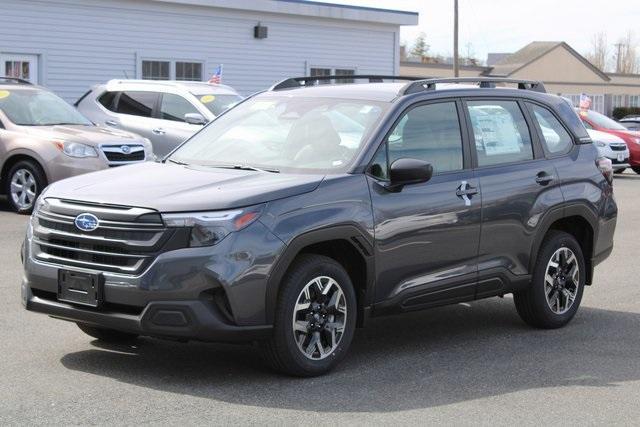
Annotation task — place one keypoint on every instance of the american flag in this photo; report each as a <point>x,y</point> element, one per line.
<point>216,77</point>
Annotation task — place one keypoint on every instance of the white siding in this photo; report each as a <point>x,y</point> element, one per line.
<point>84,42</point>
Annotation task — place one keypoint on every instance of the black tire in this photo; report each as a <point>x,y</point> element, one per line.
<point>620,170</point>
<point>636,169</point>
<point>106,335</point>
<point>40,182</point>
<point>281,351</point>
<point>531,303</point>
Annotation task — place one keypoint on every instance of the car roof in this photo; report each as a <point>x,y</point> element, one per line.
<point>160,85</point>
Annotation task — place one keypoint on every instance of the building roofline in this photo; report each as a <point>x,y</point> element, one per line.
<point>310,9</point>
<point>571,50</point>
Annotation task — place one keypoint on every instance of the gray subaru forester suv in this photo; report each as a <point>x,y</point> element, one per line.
<point>305,210</point>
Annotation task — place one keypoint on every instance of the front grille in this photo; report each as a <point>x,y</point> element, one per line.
<point>618,147</point>
<point>126,241</point>
<point>121,154</point>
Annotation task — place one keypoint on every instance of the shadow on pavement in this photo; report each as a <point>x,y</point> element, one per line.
<point>417,360</point>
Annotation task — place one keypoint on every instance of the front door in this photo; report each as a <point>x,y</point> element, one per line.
<point>20,66</point>
<point>426,234</point>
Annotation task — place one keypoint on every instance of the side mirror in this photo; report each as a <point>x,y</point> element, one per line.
<point>195,119</point>
<point>408,171</point>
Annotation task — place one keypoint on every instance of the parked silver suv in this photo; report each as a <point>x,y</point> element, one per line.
<point>43,139</point>
<point>166,112</point>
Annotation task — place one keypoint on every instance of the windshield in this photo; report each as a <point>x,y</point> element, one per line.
<point>601,120</point>
<point>217,104</point>
<point>276,132</point>
<point>38,108</point>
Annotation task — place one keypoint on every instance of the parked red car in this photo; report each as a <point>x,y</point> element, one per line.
<point>597,121</point>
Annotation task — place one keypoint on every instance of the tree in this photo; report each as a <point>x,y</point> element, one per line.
<point>599,53</point>
<point>420,47</point>
<point>627,60</point>
<point>470,55</point>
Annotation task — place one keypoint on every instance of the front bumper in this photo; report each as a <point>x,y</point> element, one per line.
<point>182,320</point>
<point>212,294</point>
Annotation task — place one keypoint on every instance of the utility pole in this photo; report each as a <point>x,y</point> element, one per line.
<point>456,65</point>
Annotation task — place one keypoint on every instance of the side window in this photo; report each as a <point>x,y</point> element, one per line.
<point>137,103</point>
<point>430,133</point>
<point>174,107</point>
<point>554,136</point>
<point>500,131</point>
<point>107,100</point>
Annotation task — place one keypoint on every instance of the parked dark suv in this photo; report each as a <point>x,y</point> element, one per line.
<point>304,210</point>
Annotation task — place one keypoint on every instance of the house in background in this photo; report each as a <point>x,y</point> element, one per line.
<point>70,45</point>
<point>563,70</point>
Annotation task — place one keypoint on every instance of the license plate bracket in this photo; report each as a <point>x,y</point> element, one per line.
<point>80,288</point>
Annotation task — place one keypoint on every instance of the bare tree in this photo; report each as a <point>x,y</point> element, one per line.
<point>627,59</point>
<point>470,55</point>
<point>599,53</point>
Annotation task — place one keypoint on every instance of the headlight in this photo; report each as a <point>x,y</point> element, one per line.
<point>209,228</point>
<point>600,144</point>
<point>76,149</point>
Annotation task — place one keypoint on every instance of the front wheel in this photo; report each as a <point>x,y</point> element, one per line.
<point>315,318</point>
<point>24,184</point>
<point>557,284</point>
<point>620,170</point>
<point>636,169</point>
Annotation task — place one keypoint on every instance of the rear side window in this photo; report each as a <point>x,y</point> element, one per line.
<point>174,107</point>
<point>107,100</point>
<point>500,131</point>
<point>554,136</point>
<point>137,103</point>
<point>430,133</point>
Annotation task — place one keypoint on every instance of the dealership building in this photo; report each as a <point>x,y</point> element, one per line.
<point>562,69</point>
<point>70,45</point>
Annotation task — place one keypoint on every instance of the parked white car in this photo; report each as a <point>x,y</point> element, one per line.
<point>167,112</point>
<point>611,147</point>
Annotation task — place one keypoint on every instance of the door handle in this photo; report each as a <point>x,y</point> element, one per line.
<point>111,123</point>
<point>158,131</point>
<point>544,178</point>
<point>464,191</point>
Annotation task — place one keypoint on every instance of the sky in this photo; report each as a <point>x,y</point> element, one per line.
<point>507,25</point>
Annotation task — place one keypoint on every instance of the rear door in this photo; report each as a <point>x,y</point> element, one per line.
<point>136,112</point>
<point>427,234</point>
<point>519,185</point>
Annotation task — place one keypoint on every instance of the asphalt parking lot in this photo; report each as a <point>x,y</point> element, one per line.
<point>464,364</point>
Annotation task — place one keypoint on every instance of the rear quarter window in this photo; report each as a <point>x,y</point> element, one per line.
<point>572,121</point>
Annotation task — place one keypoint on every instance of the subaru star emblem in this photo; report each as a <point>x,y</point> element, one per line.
<point>86,222</point>
<point>125,149</point>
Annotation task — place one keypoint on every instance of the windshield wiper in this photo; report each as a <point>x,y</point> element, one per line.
<point>244,168</point>
<point>178,162</point>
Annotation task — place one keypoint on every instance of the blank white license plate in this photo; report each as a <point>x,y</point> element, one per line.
<point>620,157</point>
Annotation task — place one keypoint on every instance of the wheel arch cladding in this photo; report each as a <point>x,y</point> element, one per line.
<point>346,244</point>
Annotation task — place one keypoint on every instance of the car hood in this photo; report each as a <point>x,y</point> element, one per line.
<point>168,187</point>
<point>605,137</point>
<point>90,135</point>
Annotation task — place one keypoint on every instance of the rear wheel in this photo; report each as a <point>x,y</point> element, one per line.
<point>557,284</point>
<point>23,185</point>
<point>105,334</point>
<point>315,318</point>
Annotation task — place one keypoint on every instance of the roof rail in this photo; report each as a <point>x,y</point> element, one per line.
<point>483,82</point>
<point>296,82</point>
<point>15,80</point>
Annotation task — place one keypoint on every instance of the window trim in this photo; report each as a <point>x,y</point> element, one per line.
<point>535,143</point>
<point>155,111</point>
<point>464,136</point>
<point>548,154</point>
<point>172,64</point>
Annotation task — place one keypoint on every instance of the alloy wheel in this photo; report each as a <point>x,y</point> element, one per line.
<point>561,280</point>
<point>319,317</point>
<point>23,189</point>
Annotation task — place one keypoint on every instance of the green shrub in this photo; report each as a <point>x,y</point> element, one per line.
<point>620,112</point>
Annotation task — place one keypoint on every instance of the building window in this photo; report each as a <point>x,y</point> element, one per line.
<point>328,71</point>
<point>618,101</point>
<point>634,101</point>
<point>597,101</point>
<point>191,71</point>
<point>155,70</point>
